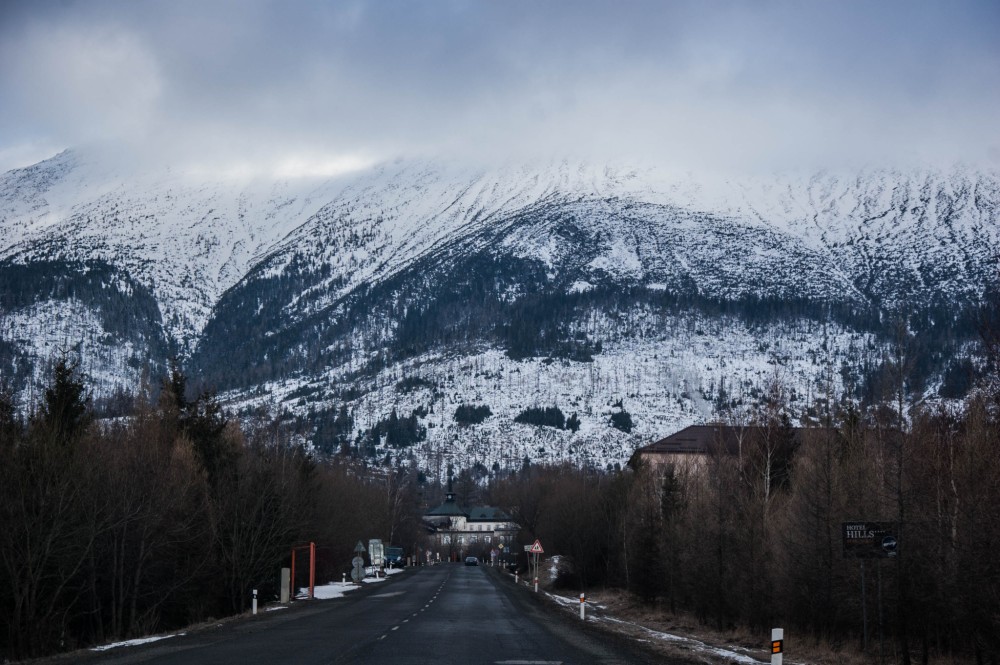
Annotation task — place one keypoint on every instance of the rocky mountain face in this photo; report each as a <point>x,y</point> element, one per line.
<point>382,311</point>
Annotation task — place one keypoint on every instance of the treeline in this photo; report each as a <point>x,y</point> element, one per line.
<point>172,515</point>
<point>751,536</point>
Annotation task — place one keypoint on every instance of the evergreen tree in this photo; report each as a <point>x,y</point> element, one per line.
<point>622,420</point>
<point>573,423</point>
<point>204,424</point>
<point>65,413</point>
<point>11,428</point>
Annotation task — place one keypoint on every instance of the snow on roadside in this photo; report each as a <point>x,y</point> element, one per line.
<point>328,591</point>
<point>338,589</point>
<point>130,643</point>
<point>691,643</point>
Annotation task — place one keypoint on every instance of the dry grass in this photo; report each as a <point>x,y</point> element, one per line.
<point>643,618</point>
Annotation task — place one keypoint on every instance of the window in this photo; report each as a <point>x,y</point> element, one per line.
<point>486,539</point>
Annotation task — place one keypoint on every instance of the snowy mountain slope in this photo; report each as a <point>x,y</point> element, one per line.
<point>672,372</point>
<point>927,234</point>
<point>266,283</point>
<point>188,240</point>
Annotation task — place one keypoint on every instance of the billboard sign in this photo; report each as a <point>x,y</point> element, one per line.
<point>870,540</point>
<point>376,552</point>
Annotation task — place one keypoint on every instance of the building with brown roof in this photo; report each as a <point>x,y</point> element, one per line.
<point>693,445</point>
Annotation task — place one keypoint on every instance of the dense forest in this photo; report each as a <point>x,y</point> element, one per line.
<point>119,527</point>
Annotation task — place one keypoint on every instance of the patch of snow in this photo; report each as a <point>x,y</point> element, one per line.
<point>691,643</point>
<point>141,640</point>
<point>621,260</point>
<point>329,591</point>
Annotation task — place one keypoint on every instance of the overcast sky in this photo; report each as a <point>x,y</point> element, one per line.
<point>307,86</point>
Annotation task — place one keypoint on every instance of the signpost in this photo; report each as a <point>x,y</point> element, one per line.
<point>312,568</point>
<point>870,540</point>
<point>376,552</point>
<point>358,563</point>
<point>357,570</point>
<point>536,549</point>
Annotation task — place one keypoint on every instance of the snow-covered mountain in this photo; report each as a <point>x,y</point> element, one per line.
<point>416,287</point>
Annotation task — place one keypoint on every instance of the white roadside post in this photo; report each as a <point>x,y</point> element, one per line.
<point>255,601</point>
<point>583,605</point>
<point>777,645</point>
<point>536,572</point>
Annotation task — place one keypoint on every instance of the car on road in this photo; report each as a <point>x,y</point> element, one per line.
<point>471,561</point>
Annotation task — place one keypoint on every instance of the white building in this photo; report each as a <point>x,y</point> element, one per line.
<point>457,532</point>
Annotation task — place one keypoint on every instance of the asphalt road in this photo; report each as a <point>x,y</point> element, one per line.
<point>441,614</point>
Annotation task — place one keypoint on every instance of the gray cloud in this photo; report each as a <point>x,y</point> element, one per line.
<point>719,85</point>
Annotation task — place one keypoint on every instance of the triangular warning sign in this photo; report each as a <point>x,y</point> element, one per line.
<point>537,548</point>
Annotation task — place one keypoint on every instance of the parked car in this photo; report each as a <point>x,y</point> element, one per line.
<point>394,556</point>
<point>471,561</point>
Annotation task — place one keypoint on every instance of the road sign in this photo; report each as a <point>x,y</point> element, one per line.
<point>869,540</point>
<point>359,548</point>
<point>357,569</point>
<point>527,548</point>
<point>536,548</point>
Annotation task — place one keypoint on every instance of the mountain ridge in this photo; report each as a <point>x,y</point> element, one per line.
<point>259,282</point>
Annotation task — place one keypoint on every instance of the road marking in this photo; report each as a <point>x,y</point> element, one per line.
<point>528,662</point>
<point>406,621</point>
<point>395,627</point>
<point>389,595</point>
